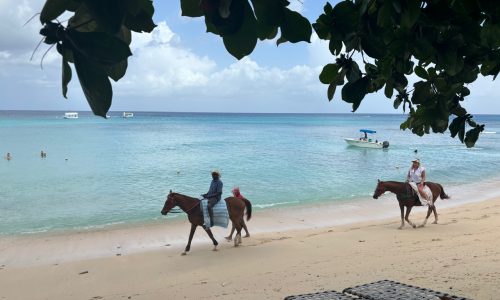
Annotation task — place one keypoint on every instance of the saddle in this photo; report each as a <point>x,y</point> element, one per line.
<point>409,193</point>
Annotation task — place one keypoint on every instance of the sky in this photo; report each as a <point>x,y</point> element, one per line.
<point>181,68</point>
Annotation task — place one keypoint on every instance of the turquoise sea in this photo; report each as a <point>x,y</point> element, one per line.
<point>118,170</point>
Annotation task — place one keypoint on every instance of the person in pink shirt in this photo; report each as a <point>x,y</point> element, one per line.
<point>237,194</point>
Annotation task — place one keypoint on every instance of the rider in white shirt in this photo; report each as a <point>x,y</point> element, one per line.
<point>417,174</point>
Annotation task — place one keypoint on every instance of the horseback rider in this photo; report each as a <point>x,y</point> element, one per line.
<point>416,174</point>
<point>213,195</point>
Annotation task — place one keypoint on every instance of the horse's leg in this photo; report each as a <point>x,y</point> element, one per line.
<point>210,234</point>
<point>245,228</point>
<point>191,234</point>
<point>408,210</point>
<point>429,210</point>
<point>237,237</point>
<point>402,208</point>
<point>230,236</point>
<point>435,214</point>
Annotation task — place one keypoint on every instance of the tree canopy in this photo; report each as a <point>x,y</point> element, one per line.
<point>439,45</point>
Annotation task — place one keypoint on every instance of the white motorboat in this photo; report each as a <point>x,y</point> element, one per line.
<point>71,115</point>
<point>366,142</point>
<point>128,114</point>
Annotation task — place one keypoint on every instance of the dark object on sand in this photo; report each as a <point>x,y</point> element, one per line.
<point>381,290</point>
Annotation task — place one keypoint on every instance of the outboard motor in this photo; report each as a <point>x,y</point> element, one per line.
<point>385,144</point>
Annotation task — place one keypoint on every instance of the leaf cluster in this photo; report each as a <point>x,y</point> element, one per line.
<point>446,43</point>
<point>241,23</point>
<point>96,41</point>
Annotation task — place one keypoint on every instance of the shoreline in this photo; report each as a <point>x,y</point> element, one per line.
<point>458,256</point>
<point>130,238</point>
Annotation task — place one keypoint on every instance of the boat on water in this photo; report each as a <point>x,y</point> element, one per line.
<point>366,141</point>
<point>128,114</point>
<point>71,115</point>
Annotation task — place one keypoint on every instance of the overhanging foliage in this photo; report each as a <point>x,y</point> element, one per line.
<point>446,44</point>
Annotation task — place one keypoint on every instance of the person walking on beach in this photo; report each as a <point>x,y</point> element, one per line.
<point>237,194</point>
<point>213,195</point>
<point>416,174</point>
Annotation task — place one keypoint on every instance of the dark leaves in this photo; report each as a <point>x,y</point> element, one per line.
<point>295,28</point>
<point>354,92</point>
<point>95,84</point>
<point>99,47</point>
<point>66,76</point>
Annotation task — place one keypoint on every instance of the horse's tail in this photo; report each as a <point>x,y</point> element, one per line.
<point>443,194</point>
<point>249,208</point>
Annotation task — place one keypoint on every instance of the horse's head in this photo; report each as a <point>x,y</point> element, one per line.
<point>379,190</point>
<point>169,203</point>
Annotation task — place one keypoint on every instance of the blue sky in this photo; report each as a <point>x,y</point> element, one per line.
<point>180,67</point>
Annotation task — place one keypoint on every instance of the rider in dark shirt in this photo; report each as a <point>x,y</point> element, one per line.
<point>213,195</point>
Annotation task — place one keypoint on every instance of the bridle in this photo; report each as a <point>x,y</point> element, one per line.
<point>170,197</point>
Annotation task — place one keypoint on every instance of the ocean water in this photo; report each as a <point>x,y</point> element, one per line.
<point>118,171</point>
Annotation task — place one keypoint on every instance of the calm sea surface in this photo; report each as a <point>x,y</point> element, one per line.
<point>99,172</point>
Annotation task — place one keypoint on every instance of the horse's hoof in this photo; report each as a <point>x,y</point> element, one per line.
<point>228,239</point>
<point>414,226</point>
<point>214,249</point>
<point>400,228</point>
<point>183,253</point>
<point>247,236</point>
<point>435,222</point>
<point>421,225</point>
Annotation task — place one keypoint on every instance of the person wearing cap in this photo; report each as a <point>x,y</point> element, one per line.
<point>213,195</point>
<point>237,194</point>
<point>417,174</point>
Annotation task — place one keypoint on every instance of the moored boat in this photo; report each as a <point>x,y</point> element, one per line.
<point>71,115</point>
<point>367,142</point>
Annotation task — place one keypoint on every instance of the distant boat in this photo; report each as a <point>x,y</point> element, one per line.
<point>128,114</point>
<point>71,115</point>
<point>366,142</point>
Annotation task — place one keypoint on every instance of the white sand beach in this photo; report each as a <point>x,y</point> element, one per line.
<point>291,251</point>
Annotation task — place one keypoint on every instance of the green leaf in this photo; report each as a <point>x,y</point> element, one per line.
<point>142,22</point>
<point>490,34</point>
<point>329,73</point>
<point>99,47</point>
<point>373,46</point>
<point>281,40</point>
<point>346,17</point>
<point>269,12</point>
<point>354,92</point>
<point>95,84</point>
<point>421,93</point>
<point>421,72</point>
<point>457,126</point>
<point>66,76</point>
<point>353,72</point>
<point>242,43</point>
<point>410,14</point>
<point>472,136</point>
<point>331,91</point>
<point>384,17</point>
<point>191,8</point>
<point>109,14</point>
<point>397,102</point>
<point>117,71</point>
<point>52,9</point>
<point>295,27</point>
<point>389,89</point>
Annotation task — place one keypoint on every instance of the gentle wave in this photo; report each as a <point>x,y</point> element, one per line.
<point>274,204</point>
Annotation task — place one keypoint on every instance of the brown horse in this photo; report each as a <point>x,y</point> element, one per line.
<point>191,206</point>
<point>408,198</point>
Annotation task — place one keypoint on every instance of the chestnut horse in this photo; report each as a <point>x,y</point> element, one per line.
<point>191,206</point>
<point>408,198</point>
